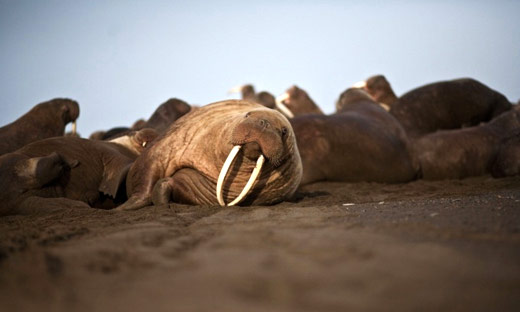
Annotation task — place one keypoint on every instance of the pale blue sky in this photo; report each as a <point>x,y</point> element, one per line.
<point>121,59</point>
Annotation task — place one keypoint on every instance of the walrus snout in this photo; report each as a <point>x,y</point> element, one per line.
<point>259,136</point>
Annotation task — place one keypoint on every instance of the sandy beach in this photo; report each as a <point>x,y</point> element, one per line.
<point>421,246</point>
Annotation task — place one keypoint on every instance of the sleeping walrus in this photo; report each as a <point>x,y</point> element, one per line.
<point>442,105</point>
<point>194,162</point>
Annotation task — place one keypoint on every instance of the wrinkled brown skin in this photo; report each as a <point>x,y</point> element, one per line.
<point>45,120</point>
<point>300,103</point>
<point>507,161</point>
<point>362,142</point>
<point>189,157</point>
<point>92,172</point>
<point>460,153</point>
<point>265,98</point>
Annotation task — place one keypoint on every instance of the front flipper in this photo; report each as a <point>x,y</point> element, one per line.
<point>134,203</point>
<point>186,186</point>
<point>114,175</point>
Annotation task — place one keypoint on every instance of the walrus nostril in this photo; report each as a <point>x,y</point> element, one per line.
<point>263,123</point>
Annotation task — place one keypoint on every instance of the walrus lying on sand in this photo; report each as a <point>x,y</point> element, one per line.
<point>361,142</point>
<point>442,105</point>
<point>92,172</point>
<point>460,153</point>
<point>193,162</point>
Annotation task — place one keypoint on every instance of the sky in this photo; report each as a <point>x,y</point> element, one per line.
<point>121,59</point>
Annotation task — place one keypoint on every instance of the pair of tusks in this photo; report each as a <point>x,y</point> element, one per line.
<point>223,172</point>
<point>282,107</point>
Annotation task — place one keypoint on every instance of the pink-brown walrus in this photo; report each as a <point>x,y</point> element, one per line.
<point>194,161</point>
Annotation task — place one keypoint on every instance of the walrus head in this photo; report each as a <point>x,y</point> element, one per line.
<point>296,101</point>
<point>379,89</point>
<point>261,138</point>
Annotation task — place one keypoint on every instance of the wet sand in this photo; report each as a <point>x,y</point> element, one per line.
<point>422,246</point>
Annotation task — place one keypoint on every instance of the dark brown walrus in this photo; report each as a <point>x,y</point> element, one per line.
<point>507,161</point>
<point>442,105</point>
<point>45,120</point>
<point>362,142</point>
<point>74,168</point>
<point>460,153</point>
<point>192,159</point>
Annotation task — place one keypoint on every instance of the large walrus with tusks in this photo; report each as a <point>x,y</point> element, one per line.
<point>229,152</point>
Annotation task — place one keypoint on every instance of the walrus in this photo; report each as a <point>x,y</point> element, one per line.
<point>447,105</point>
<point>92,172</point>
<point>507,160</point>
<point>380,89</point>
<point>44,120</point>
<point>193,162</point>
<point>295,101</point>
<point>361,142</point>
<point>247,92</point>
<point>461,153</point>
<point>163,116</point>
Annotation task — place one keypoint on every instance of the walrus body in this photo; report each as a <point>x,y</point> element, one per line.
<point>92,172</point>
<point>351,146</point>
<point>45,120</point>
<point>507,161</point>
<point>189,157</point>
<point>443,105</point>
<point>460,153</point>
<point>448,105</point>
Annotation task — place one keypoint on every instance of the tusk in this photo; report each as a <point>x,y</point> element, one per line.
<point>236,89</point>
<point>250,182</point>
<point>74,127</point>
<point>144,144</point>
<point>282,107</point>
<point>385,106</point>
<point>223,172</point>
<point>360,84</point>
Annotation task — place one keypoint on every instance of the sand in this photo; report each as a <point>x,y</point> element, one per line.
<point>421,246</point>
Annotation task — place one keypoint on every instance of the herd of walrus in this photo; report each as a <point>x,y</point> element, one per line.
<point>258,150</point>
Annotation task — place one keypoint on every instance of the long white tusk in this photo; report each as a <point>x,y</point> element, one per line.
<point>74,127</point>
<point>360,84</point>
<point>236,89</point>
<point>250,182</point>
<point>232,154</point>
<point>282,107</point>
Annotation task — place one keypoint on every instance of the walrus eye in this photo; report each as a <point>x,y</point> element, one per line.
<point>284,131</point>
<point>248,114</point>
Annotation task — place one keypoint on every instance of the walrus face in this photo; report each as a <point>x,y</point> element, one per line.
<point>260,134</point>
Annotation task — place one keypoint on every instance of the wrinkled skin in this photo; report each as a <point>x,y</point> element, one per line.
<point>92,172</point>
<point>362,142</point>
<point>265,98</point>
<point>187,159</point>
<point>460,153</point>
<point>300,103</point>
<point>45,120</point>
